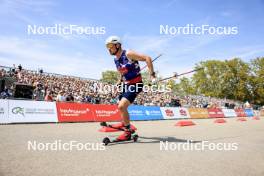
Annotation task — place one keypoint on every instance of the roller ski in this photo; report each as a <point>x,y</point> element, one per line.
<point>127,135</point>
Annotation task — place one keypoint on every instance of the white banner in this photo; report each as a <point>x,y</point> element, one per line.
<point>229,112</point>
<point>32,111</point>
<point>174,113</point>
<point>4,111</point>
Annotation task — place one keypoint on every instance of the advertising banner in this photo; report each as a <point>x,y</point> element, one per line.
<point>249,112</point>
<point>75,112</point>
<point>240,112</point>
<point>229,112</point>
<point>4,111</point>
<point>215,113</point>
<point>198,113</point>
<point>32,111</point>
<point>106,113</point>
<point>145,113</point>
<point>174,113</point>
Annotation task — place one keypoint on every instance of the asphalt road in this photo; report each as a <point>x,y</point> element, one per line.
<point>243,152</point>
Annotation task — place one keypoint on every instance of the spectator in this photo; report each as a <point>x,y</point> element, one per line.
<point>6,93</point>
<point>70,97</point>
<point>60,97</point>
<point>62,88</point>
<point>48,96</point>
<point>39,93</point>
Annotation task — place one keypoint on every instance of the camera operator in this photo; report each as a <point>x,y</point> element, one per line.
<point>39,92</point>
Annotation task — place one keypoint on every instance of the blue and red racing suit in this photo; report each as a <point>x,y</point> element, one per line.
<point>130,72</point>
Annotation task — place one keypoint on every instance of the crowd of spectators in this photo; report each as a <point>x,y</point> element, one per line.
<point>54,87</point>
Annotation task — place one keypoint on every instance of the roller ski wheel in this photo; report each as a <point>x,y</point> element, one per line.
<point>107,140</point>
<point>103,124</point>
<point>134,137</point>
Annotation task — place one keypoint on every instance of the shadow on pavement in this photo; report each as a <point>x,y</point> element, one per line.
<point>153,140</point>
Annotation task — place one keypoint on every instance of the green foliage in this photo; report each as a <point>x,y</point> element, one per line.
<point>257,80</point>
<point>110,77</point>
<point>233,79</point>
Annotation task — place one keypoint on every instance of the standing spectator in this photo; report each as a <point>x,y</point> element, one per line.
<point>49,97</point>
<point>70,97</point>
<point>60,96</point>
<point>39,93</point>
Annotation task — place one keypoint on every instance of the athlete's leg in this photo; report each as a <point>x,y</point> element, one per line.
<point>128,98</point>
<point>122,107</point>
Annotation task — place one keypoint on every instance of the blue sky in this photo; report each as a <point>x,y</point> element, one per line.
<point>137,23</point>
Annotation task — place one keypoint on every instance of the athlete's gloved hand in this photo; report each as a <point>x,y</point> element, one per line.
<point>153,81</point>
<point>175,74</point>
<point>153,78</point>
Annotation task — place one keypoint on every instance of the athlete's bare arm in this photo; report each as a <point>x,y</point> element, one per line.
<point>141,57</point>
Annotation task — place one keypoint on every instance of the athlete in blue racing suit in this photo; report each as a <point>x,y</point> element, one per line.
<point>127,64</point>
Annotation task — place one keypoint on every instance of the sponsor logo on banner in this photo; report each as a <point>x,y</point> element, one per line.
<point>21,111</point>
<point>106,113</point>
<point>169,113</point>
<point>18,110</point>
<point>183,112</point>
<point>136,112</point>
<point>4,111</point>
<point>174,113</point>
<point>144,112</point>
<point>229,113</point>
<point>32,111</point>
<point>75,112</point>
<point>215,113</point>
<point>152,112</point>
<point>198,113</point>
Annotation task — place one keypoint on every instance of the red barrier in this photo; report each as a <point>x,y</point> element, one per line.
<point>220,121</point>
<point>215,113</point>
<point>185,123</point>
<point>75,112</point>
<point>240,112</point>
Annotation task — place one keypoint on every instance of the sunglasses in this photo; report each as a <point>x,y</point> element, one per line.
<point>110,45</point>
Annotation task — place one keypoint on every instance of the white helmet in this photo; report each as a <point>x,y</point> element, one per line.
<point>113,39</point>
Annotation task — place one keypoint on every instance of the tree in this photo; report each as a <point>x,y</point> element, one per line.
<point>146,77</point>
<point>173,86</point>
<point>257,80</point>
<point>186,86</point>
<point>110,76</point>
<point>209,80</point>
<point>223,79</point>
<point>236,78</point>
